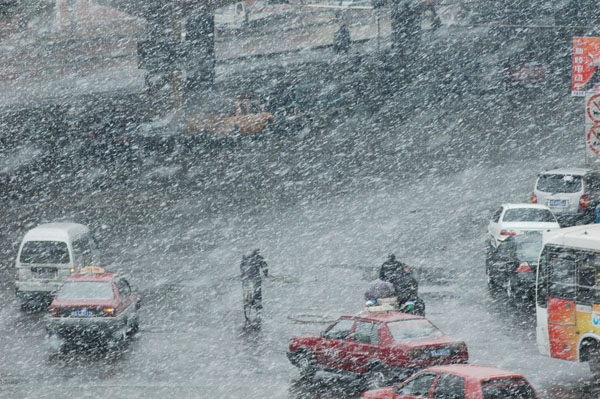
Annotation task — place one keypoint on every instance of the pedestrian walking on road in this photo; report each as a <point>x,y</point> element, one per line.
<point>341,39</point>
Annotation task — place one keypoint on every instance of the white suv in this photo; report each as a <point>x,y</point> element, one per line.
<point>572,194</point>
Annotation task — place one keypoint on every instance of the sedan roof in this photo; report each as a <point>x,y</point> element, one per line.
<point>525,205</point>
<point>473,371</point>
<point>566,171</point>
<point>387,316</point>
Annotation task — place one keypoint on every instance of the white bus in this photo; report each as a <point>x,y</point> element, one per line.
<point>568,295</point>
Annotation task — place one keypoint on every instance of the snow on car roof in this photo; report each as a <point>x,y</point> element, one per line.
<point>584,237</point>
<point>524,205</point>
<point>473,370</point>
<point>52,231</point>
<point>566,171</point>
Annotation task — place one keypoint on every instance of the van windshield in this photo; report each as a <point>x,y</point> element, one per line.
<point>559,183</point>
<point>55,252</point>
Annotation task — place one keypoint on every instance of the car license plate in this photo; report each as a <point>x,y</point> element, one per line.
<point>557,203</point>
<point>441,352</point>
<point>81,313</point>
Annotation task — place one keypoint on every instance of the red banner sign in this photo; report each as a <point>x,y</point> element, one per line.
<point>586,62</point>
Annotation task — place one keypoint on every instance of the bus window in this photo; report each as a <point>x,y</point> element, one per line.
<point>588,290</point>
<point>562,267</point>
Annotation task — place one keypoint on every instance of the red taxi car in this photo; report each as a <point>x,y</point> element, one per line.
<point>92,306</point>
<point>376,345</point>
<point>459,381</point>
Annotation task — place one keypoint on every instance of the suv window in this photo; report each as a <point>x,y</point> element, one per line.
<point>559,183</point>
<point>45,252</point>
<point>244,108</point>
<point>340,330</point>
<point>366,333</point>
<point>449,386</point>
<point>418,386</point>
<point>592,183</point>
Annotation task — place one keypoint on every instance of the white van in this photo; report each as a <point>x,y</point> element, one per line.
<point>48,254</point>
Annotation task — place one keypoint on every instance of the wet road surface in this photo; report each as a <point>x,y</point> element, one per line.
<point>325,208</point>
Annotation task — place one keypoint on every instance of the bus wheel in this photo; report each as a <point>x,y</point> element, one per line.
<point>594,359</point>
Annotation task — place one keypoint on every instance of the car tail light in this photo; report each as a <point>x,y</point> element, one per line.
<point>109,312</point>
<point>53,312</point>
<point>583,203</point>
<point>524,268</point>
<point>507,233</point>
<point>533,198</point>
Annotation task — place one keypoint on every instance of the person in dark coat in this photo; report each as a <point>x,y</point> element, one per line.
<point>407,287</point>
<point>250,269</point>
<point>390,268</point>
<point>341,39</point>
<point>397,273</point>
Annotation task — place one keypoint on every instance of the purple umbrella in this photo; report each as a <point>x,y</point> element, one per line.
<point>380,289</point>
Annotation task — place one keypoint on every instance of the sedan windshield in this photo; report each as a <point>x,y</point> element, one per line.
<point>86,290</point>
<point>55,252</point>
<point>413,329</point>
<point>528,215</point>
<point>559,183</point>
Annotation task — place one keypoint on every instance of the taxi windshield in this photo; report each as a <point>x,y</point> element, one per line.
<point>86,290</point>
<point>407,330</point>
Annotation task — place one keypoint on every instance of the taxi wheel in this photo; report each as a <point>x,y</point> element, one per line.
<point>119,338</point>
<point>135,327</point>
<point>306,364</point>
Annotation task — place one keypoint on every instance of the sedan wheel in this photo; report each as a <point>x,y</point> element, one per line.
<point>375,378</point>
<point>307,366</point>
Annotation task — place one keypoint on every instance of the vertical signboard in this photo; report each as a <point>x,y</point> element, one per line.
<point>592,128</point>
<point>586,62</point>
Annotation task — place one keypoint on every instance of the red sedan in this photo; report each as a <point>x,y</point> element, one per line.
<point>376,345</point>
<point>92,306</point>
<point>459,381</point>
